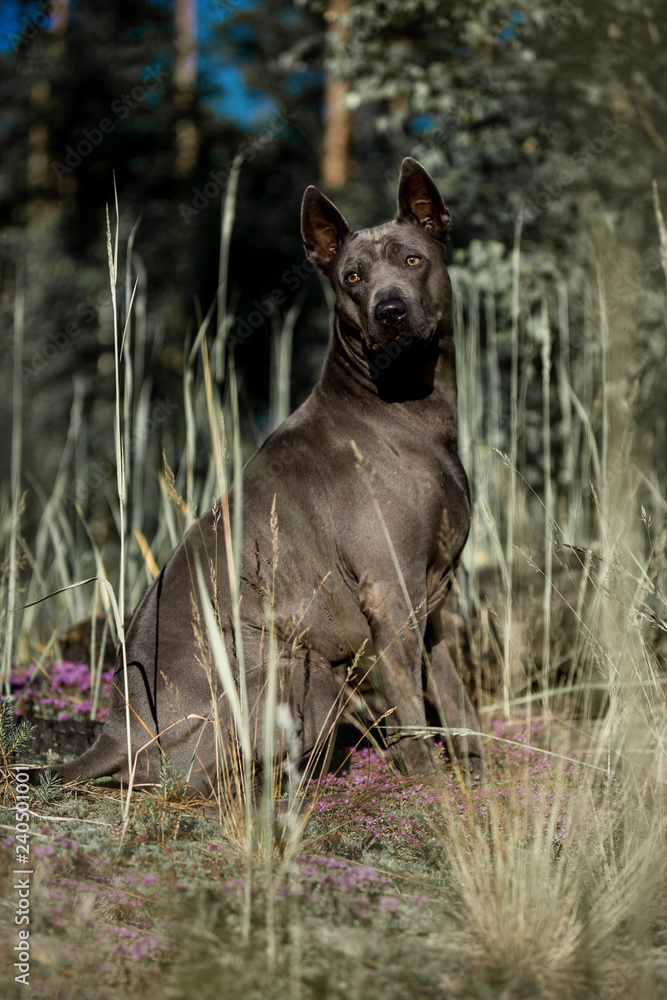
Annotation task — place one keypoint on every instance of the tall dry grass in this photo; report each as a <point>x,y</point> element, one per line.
<point>550,879</point>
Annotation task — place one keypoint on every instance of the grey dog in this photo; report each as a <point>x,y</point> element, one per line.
<point>372,510</point>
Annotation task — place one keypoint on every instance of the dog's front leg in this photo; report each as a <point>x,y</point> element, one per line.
<point>448,694</point>
<point>397,638</point>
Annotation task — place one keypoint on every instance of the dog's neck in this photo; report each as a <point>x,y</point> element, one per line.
<point>421,377</point>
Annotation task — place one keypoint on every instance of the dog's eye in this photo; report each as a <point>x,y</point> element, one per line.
<point>352,278</point>
<point>413,261</point>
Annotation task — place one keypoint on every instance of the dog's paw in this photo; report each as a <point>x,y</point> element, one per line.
<point>475,769</point>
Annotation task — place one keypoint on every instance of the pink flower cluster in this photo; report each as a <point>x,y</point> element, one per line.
<point>351,887</point>
<point>373,803</point>
<point>60,694</point>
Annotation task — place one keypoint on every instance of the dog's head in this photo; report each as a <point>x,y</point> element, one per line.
<point>391,281</point>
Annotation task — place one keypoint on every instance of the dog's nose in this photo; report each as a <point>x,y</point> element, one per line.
<point>390,311</point>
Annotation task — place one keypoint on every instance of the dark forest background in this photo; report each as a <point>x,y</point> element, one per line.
<point>555,115</point>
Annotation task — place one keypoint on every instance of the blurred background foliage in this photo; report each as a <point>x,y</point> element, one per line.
<point>544,128</point>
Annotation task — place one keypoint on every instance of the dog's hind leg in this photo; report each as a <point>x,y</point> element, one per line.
<point>107,756</point>
<point>306,714</point>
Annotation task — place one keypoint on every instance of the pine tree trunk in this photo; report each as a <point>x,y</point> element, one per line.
<point>59,21</point>
<point>334,162</point>
<point>40,179</point>
<point>185,82</point>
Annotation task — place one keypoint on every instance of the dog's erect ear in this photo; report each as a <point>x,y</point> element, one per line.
<point>323,228</point>
<point>420,202</point>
